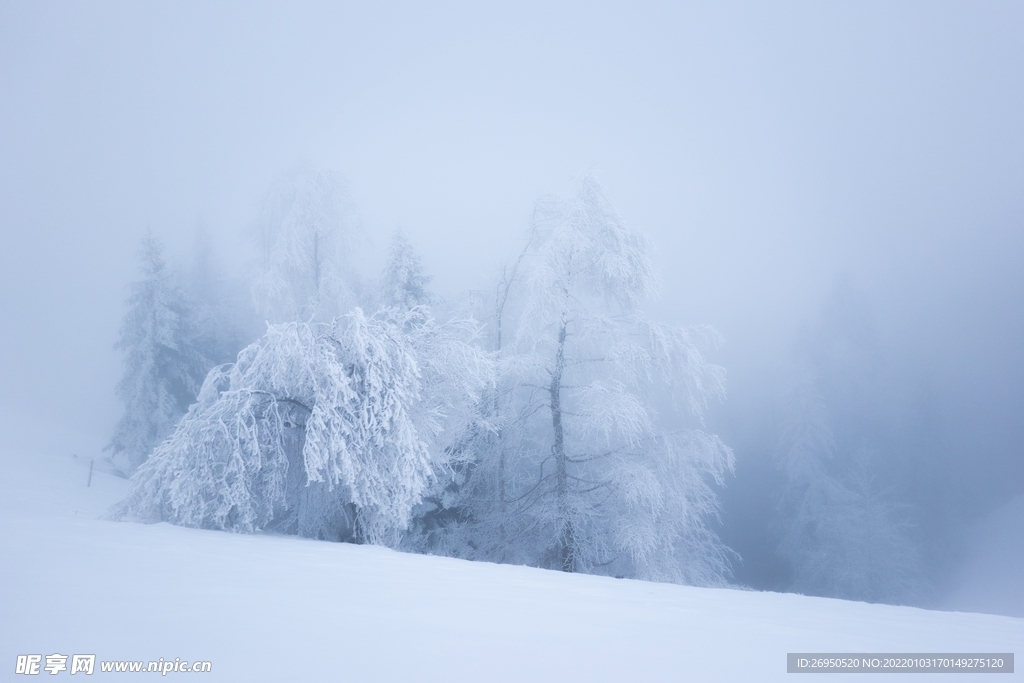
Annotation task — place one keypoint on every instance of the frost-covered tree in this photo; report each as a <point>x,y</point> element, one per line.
<point>164,362</point>
<point>325,430</point>
<point>220,307</point>
<point>591,467</point>
<point>884,558</point>
<point>842,531</point>
<point>465,513</point>
<point>404,282</point>
<point>811,493</point>
<point>304,237</point>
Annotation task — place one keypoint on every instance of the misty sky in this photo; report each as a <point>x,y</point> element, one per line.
<point>770,151</point>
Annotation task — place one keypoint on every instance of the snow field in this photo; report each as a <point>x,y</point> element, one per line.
<point>275,608</point>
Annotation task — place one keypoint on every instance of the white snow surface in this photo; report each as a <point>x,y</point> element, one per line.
<point>273,608</point>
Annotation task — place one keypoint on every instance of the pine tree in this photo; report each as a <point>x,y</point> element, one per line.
<point>404,283</point>
<point>842,531</point>
<point>163,366</point>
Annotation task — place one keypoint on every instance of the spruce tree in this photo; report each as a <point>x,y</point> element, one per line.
<point>404,284</point>
<point>163,367</point>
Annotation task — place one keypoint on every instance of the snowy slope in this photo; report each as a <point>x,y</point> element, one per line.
<point>266,608</point>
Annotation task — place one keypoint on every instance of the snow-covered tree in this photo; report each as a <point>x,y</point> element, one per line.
<point>841,531</point>
<point>304,237</point>
<point>844,531</point>
<point>404,282</point>
<point>220,306</point>
<point>583,471</point>
<point>164,363</point>
<point>325,430</point>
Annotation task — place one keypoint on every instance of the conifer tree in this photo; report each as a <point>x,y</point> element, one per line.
<point>841,526</point>
<point>163,366</point>
<point>403,282</point>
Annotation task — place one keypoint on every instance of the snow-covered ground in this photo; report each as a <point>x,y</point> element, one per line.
<point>269,608</point>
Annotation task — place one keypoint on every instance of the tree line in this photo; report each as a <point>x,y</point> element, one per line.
<point>548,422</point>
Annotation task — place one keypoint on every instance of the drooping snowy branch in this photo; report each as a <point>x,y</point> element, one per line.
<point>315,422</point>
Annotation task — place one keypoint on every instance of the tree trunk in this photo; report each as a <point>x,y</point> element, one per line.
<point>566,533</point>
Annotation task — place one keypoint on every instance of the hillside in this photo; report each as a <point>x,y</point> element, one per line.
<point>271,608</point>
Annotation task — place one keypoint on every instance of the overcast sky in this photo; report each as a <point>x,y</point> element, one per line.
<point>769,149</point>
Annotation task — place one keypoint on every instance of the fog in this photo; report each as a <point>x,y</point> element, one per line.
<point>812,177</point>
